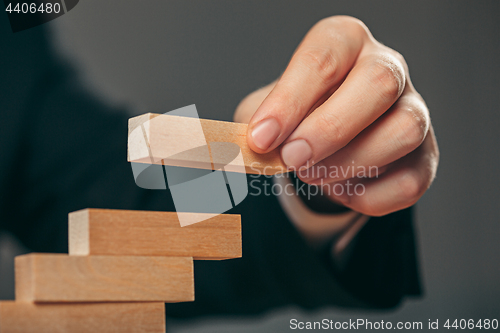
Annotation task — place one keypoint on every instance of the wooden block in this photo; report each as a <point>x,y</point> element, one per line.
<point>175,140</point>
<point>145,233</point>
<point>24,317</point>
<point>44,277</point>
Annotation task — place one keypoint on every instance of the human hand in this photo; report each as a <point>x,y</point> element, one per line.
<point>345,102</point>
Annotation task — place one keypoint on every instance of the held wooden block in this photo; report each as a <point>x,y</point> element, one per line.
<point>62,278</point>
<point>145,233</point>
<point>24,317</point>
<point>169,140</point>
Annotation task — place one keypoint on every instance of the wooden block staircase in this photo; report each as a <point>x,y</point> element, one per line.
<point>122,267</point>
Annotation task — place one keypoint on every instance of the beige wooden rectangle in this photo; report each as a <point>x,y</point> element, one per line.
<point>162,136</point>
<point>24,317</point>
<point>43,277</point>
<point>146,233</point>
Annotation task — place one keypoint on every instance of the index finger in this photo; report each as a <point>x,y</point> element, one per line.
<point>317,68</point>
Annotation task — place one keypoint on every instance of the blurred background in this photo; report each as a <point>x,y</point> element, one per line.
<point>156,56</point>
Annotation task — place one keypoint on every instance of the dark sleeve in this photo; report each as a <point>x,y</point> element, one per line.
<point>62,148</point>
<point>66,150</point>
<point>278,268</point>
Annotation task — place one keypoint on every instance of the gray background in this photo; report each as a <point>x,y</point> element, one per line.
<point>161,55</point>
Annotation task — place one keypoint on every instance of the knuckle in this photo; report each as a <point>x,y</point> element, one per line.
<point>357,26</point>
<point>347,22</point>
<point>414,129</point>
<point>398,56</point>
<point>373,211</point>
<point>283,100</point>
<point>411,186</point>
<point>400,60</point>
<point>388,77</point>
<point>365,206</point>
<point>321,61</point>
<point>331,130</point>
<point>326,23</point>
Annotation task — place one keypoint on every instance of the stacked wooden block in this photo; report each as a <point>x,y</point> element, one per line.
<point>121,269</point>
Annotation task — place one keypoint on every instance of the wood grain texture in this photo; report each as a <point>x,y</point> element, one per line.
<point>24,317</point>
<point>146,233</point>
<point>170,140</point>
<point>62,278</point>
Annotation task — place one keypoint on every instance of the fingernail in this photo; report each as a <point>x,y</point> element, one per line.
<point>265,133</point>
<point>296,153</point>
